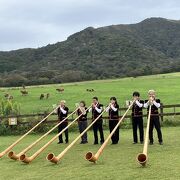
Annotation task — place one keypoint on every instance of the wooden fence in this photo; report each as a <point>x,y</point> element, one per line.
<point>24,119</point>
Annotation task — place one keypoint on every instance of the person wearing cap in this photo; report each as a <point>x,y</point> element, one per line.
<point>82,121</point>
<point>137,118</point>
<point>113,110</point>
<point>154,119</point>
<point>97,109</point>
<point>62,112</point>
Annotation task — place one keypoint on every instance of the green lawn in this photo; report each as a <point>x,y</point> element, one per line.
<point>116,162</point>
<point>166,85</point>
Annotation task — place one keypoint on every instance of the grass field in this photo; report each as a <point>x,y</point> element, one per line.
<point>166,85</point>
<point>116,162</point>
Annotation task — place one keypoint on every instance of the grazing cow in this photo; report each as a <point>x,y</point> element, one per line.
<point>24,92</point>
<point>8,96</point>
<point>47,95</point>
<point>23,86</point>
<point>60,89</point>
<point>41,96</point>
<point>90,90</point>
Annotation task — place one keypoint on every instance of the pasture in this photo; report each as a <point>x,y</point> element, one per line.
<point>117,161</point>
<point>166,85</point>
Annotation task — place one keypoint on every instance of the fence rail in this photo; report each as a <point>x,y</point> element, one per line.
<point>121,110</point>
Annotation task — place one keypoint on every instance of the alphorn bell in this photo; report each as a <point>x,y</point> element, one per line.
<point>14,156</point>
<point>55,159</point>
<point>94,157</point>
<point>27,159</point>
<point>142,157</point>
<point>22,137</point>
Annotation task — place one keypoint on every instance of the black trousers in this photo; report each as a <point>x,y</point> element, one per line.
<point>137,122</point>
<point>60,128</point>
<point>82,126</point>
<point>154,122</point>
<point>115,136</point>
<point>98,126</point>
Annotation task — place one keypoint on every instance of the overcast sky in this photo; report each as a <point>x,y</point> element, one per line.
<point>36,23</point>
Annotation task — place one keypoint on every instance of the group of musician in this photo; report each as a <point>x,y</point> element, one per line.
<point>113,111</point>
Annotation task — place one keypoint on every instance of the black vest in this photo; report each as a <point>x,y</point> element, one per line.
<point>114,115</point>
<point>136,110</point>
<point>83,117</point>
<point>154,109</point>
<point>95,114</point>
<point>62,116</point>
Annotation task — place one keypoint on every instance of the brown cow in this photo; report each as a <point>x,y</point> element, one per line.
<point>47,95</point>
<point>60,89</point>
<point>90,90</point>
<point>24,92</point>
<point>41,96</point>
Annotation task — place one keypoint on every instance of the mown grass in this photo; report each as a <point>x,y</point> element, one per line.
<point>166,85</point>
<point>116,162</point>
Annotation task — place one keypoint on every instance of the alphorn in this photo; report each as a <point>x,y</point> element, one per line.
<point>94,157</point>
<point>55,159</point>
<point>27,159</point>
<point>14,156</point>
<point>22,137</point>
<point>142,157</point>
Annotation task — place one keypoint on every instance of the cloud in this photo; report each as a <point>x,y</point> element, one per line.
<point>34,23</point>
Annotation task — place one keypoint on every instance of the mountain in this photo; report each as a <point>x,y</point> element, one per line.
<point>148,47</point>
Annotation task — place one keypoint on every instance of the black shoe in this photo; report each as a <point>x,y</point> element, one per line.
<point>114,143</point>
<point>102,142</point>
<point>83,142</point>
<point>141,142</point>
<point>95,143</point>
<point>134,142</point>
<point>160,143</point>
<point>60,142</point>
<point>151,143</point>
<point>67,142</point>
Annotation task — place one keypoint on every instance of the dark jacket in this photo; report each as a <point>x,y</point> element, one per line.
<point>62,116</point>
<point>154,109</point>
<point>83,117</point>
<point>136,110</point>
<point>95,114</point>
<point>114,115</point>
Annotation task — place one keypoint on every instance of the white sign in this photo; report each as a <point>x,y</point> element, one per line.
<point>12,121</point>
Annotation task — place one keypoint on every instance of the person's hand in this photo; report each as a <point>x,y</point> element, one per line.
<point>151,100</point>
<point>93,105</point>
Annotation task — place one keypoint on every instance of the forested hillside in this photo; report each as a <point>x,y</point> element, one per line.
<point>149,47</point>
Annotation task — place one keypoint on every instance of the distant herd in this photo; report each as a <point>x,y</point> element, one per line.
<point>24,92</point>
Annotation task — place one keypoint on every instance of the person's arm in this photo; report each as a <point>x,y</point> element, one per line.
<point>139,104</point>
<point>156,104</point>
<point>113,108</point>
<point>146,104</point>
<point>99,110</point>
<point>107,109</point>
<point>63,111</point>
<point>90,109</point>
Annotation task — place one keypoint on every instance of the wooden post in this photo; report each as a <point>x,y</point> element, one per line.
<point>161,111</point>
